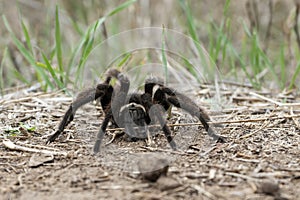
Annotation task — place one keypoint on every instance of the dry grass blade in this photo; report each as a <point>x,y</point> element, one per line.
<point>9,144</point>
<point>293,116</point>
<point>273,101</point>
<point>201,190</point>
<point>294,119</point>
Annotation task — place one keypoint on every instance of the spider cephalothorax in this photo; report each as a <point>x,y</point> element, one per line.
<point>134,112</point>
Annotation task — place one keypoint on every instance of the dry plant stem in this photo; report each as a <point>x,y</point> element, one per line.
<point>250,15</point>
<point>208,151</point>
<point>113,137</point>
<point>243,176</point>
<point>265,124</point>
<point>273,101</point>
<point>9,144</point>
<point>29,98</point>
<point>201,190</point>
<point>36,146</point>
<point>296,24</point>
<point>221,122</point>
<point>256,15</point>
<point>163,150</point>
<point>257,130</point>
<point>20,182</point>
<point>123,187</point>
<point>268,33</point>
<point>294,120</point>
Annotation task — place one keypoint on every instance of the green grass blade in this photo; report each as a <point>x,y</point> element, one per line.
<point>252,80</point>
<point>1,71</point>
<point>41,75</point>
<point>58,43</point>
<point>164,56</point>
<point>120,7</point>
<point>191,24</point>
<point>21,77</point>
<point>268,64</point>
<point>208,67</point>
<point>27,37</point>
<point>294,77</point>
<point>52,72</point>
<point>282,67</point>
<point>124,60</point>
<point>225,9</point>
<point>190,67</point>
<point>27,55</point>
<point>86,45</point>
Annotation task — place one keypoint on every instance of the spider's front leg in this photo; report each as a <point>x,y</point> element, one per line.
<point>102,130</point>
<point>156,111</point>
<point>113,110</point>
<point>83,97</point>
<point>181,101</point>
<point>166,97</point>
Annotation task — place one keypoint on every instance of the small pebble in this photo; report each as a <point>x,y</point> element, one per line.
<point>166,183</point>
<point>37,160</point>
<point>269,188</point>
<point>151,167</point>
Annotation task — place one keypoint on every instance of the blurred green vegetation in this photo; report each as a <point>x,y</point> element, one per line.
<point>49,42</point>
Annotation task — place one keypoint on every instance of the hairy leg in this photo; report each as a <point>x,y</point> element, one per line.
<point>156,111</point>
<point>101,131</point>
<point>181,101</point>
<point>83,97</point>
<point>113,110</point>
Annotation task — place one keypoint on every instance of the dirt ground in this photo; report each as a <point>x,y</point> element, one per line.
<point>260,160</point>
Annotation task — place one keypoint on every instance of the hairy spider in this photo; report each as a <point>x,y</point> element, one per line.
<point>134,112</point>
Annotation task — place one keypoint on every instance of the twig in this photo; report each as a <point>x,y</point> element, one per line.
<point>112,139</point>
<point>294,120</point>
<point>273,101</point>
<point>20,179</point>
<point>201,190</point>
<point>247,160</point>
<point>228,82</point>
<point>8,100</point>
<point>124,187</point>
<point>266,122</point>
<point>9,144</point>
<point>9,165</point>
<point>208,151</point>
<point>163,150</point>
<point>36,146</point>
<point>288,169</point>
<point>220,122</point>
<point>243,176</point>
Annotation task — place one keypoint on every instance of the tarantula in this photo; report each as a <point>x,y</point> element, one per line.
<point>132,111</point>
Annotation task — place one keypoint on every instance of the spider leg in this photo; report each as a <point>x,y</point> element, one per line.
<point>112,111</point>
<point>82,98</point>
<point>157,111</point>
<point>181,101</point>
<point>101,131</point>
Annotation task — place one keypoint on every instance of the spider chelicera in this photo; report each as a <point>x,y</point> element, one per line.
<point>134,112</point>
